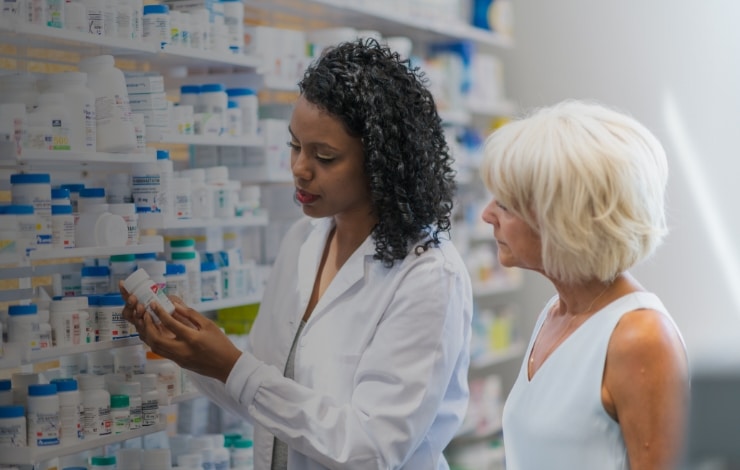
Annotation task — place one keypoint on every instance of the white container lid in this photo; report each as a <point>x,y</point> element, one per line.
<point>122,209</point>
<point>91,63</point>
<point>196,175</point>
<point>91,381</point>
<point>136,278</point>
<point>111,230</point>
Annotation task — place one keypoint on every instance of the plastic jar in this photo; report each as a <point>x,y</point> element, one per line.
<point>68,323</point>
<point>52,115</point>
<point>242,454</point>
<point>248,103</point>
<point>62,227</point>
<point>45,340</point>
<point>167,372</point>
<point>120,413</point>
<point>79,101</point>
<point>234,21</point>
<point>189,95</point>
<point>118,190</point>
<point>13,124</point>
<point>129,361</point>
<point>150,184</point>
<point>35,189</point>
<point>154,268</point>
<point>74,194</point>
<point>95,406</point>
<point>95,280</point>
<point>19,88</point>
<point>121,267</point>
<point>114,129</point>
<point>70,410</point>
<point>192,269</point>
<point>146,291</point>
<point>233,119</point>
<point>133,391</point>
<point>156,24</point>
<point>42,415</point>
<point>177,280</point>
<point>92,200</point>
<point>179,245</point>
<point>201,193</point>
<point>110,321</point>
<point>103,463</point>
<point>22,218</point>
<point>60,197</point>
<point>13,431</point>
<point>183,203</point>
<point>212,99</point>
<point>23,326</point>
<point>101,229</point>
<point>128,213</point>
<point>6,392</point>
<point>95,12</point>
<point>210,282</point>
<point>149,398</point>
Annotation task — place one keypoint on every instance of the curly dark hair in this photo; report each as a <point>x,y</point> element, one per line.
<point>383,100</point>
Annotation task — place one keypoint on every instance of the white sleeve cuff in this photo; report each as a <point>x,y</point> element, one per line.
<point>238,384</point>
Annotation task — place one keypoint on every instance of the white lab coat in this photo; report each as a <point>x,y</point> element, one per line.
<point>380,367</point>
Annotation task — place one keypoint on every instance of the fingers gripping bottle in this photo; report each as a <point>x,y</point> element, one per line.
<point>146,291</point>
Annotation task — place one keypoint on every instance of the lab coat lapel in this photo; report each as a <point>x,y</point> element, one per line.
<point>309,258</point>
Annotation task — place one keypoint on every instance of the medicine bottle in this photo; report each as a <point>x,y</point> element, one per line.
<point>120,413</point>
<point>79,101</point>
<point>234,21</point>
<point>167,372</point>
<point>149,398</point>
<point>6,392</point>
<point>192,269</point>
<point>180,245</point>
<point>100,228</point>
<point>118,190</point>
<point>242,454</point>
<point>92,200</point>
<point>74,194</point>
<point>100,363</point>
<point>133,391</point>
<point>95,280</point>
<point>213,99</point>
<point>35,189</point>
<point>13,432</point>
<point>155,268</point>
<point>45,339</point>
<point>128,212</point>
<point>42,415</point>
<point>177,280</point>
<point>151,184</point>
<point>23,326</point>
<point>189,95</point>
<point>68,323</point>
<point>21,381</point>
<point>103,463</point>
<point>54,115</point>
<point>248,103</point>
<point>129,361</point>
<point>146,291</point>
<point>202,194</point>
<point>156,24</point>
<point>110,321</point>
<point>121,267</point>
<point>22,216</point>
<point>233,119</point>
<point>210,282</point>
<point>13,125</point>
<point>95,405</point>
<point>60,197</point>
<point>62,227</point>
<point>70,410</point>
<point>113,126</point>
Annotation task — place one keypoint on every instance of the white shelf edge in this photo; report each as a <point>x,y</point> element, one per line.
<point>156,221</point>
<point>206,140</point>
<point>494,358</point>
<point>69,156</point>
<point>202,56</point>
<point>226,303</point>
<point>94,251</point>
<point>31,455</point>
<point>55,352</point>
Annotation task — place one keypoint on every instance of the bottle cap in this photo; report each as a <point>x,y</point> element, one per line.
<point>12,411</point>
<point>42,390</point>
<point>136,278</point>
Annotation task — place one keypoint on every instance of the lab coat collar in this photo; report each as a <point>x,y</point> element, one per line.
<point>309,258</point>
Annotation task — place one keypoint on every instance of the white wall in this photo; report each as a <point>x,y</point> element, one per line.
<point>675,66</point>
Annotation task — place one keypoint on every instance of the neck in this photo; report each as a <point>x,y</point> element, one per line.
<point>584,298</point>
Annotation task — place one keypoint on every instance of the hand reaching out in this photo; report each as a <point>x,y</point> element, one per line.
<point>186,337</point>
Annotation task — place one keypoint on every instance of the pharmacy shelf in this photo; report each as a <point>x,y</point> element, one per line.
<point>385,19</point>
<point>32,455</point>
<point>15,355</point>
<point>212,305</point>
<point>480,366</point>
<point>96,251</point>
<point>65,157</point>
<point>497,285</point>
<point>207,140</point>
<point>158,221</point>
<point>22,34</point>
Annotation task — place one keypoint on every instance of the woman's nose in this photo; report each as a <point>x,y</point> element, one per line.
<point>489,213</point>
<point>299,166</point>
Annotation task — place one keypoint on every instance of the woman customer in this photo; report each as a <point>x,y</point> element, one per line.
<point>578,196</point>
<point>358,358</point>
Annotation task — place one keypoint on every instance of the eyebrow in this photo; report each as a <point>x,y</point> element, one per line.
<point>320,145</point>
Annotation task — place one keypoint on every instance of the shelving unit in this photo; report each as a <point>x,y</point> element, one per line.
<point>156,221</point>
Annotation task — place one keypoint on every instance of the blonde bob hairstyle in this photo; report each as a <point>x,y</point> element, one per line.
<point>589,180</point>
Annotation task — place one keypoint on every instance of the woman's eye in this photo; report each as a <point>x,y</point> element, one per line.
<point>324,158</point>
<point>502,207</point>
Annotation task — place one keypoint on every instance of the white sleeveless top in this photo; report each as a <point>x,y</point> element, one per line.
<point>557,421</point>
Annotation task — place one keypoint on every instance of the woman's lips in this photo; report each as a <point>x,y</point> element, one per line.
<point>304,197</point>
